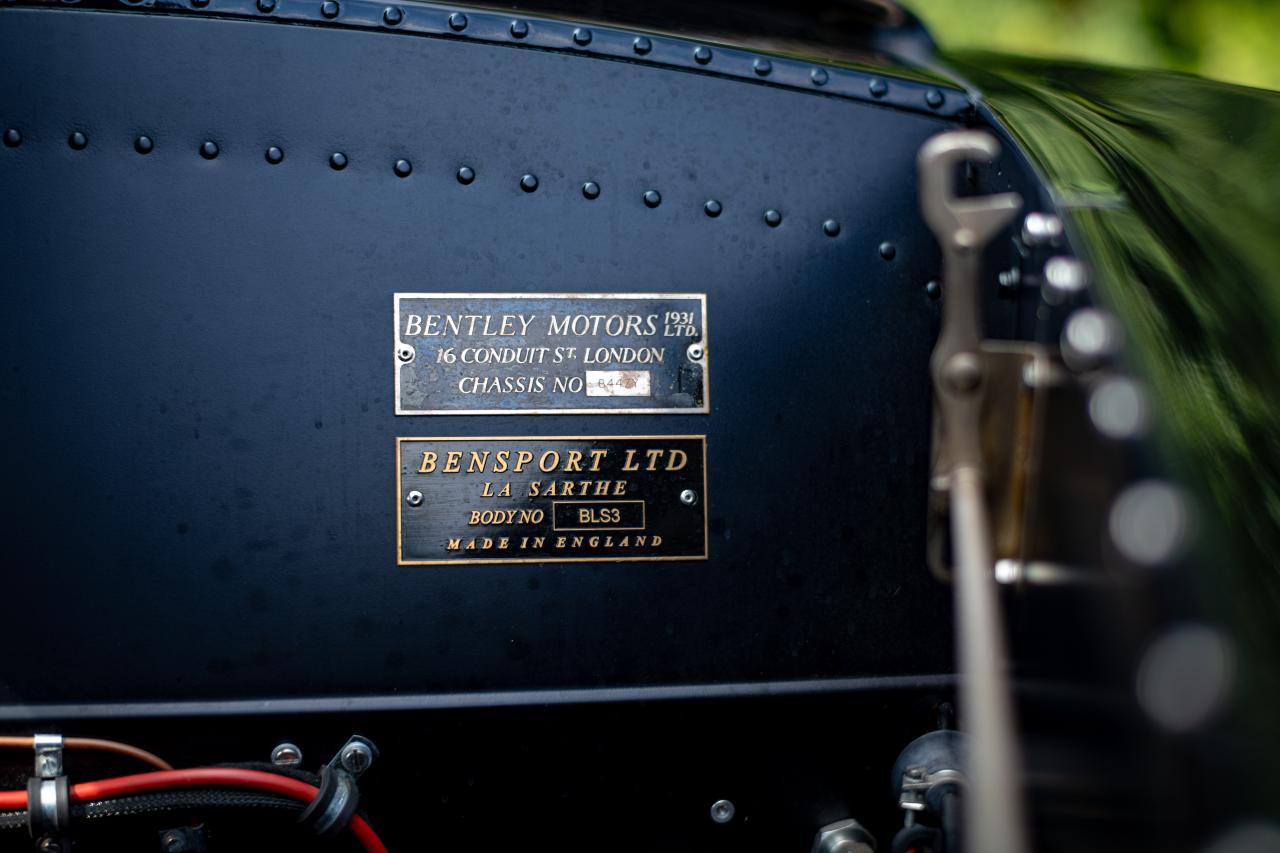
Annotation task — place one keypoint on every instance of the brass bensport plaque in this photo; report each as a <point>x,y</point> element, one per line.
<point>551,353</point>
<point>550,500</point>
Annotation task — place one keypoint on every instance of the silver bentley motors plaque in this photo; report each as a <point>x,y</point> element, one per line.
<point>548,353</point>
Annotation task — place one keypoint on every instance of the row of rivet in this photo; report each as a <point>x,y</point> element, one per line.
<point>393,16</point>
<point>402,168</point>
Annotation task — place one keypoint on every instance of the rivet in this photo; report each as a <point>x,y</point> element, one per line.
<point>713,208</point>
<point>819,77</point>
<point>933,288</point>
<point>519,29</point>
<point>529,183</point>
<point>403,168</point>
<point>466,175</point>
<point>274,155</point>
<point>722,811</point>
<point>12,137</point>
<point>652,198</point>
<point>457,22</point>
<point>591,190</point>
<point>772,218</point>
<point>330,9</point>
<point>199,4</point>
<point>888,251</point>
<point>208,149</point>
<point>392,16</point>
<point>933,98</point>
<point>266,7</point>
<point>338,161</point>
<point>878,87</point>
<point>642,46</point>
<point>143,145</point>
<point>688,497</point>
<point>78,141</point>
<point>762,67</point>
<point>582,36</point>
<point>414,498</point>
<point>1150,523</point>
<point>702,55</point>
<point>831,228</point>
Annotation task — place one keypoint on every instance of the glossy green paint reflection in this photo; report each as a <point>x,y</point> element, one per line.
<point>1171,188</point>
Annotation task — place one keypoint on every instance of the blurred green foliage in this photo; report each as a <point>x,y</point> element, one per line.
<point>1231,40</point>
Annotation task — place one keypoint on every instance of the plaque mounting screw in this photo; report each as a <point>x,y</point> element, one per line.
<point>696,352</point>
<point>414,498</point>
<point>722,811</point>
<point>689,497</point>
<point>405,353</point>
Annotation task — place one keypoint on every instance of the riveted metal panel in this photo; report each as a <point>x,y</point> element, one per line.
<point>201,414</point>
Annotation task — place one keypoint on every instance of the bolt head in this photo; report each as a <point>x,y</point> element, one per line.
<point>286,755</point>
<point>652,198</point>
<point>713,208</point>
<point>143,145</point>
<point>762,67</point>
<point>519,29</point>
<point>962,373</point>
<point>356,757</point>
<point>819,76</point>
<point>591,190</point>
<point>275,155</point>
<point>337,161</point>
<point>330,9</point>
<point>722,811</point>
<point>695,352</point>
<point>772,218</point>
<point>405,353</point>
<point>831,228</point>
<point>414,498</point>
<point>403,168</point>
<point>582,37</point>
<point>209,149</point>
<point>878,88</point>
<point>457,22</point>
<point>702,55</point>
<point>689,497</point>
<point>392,16</point>
<point>888,251</point>
<point>466,175</point>
<point>78,141</point>
<point>642,46</point>
<point>266,7</point>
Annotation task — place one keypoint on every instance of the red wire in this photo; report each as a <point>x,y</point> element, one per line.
<point>201,777</point>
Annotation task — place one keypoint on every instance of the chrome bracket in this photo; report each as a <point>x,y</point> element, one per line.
<point>994,817</point>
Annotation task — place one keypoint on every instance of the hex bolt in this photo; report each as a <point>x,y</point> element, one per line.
<point>356,756</point>
<point>405,353</point>
<point>286,755</point>
<point>695,352</point>
<point>414,498</point>
<point>722,811</point>
<point>689,497</point>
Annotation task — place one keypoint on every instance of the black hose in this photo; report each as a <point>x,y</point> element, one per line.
<point>142,804</point>
<point>917,837</point>
<point>951,842</point>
